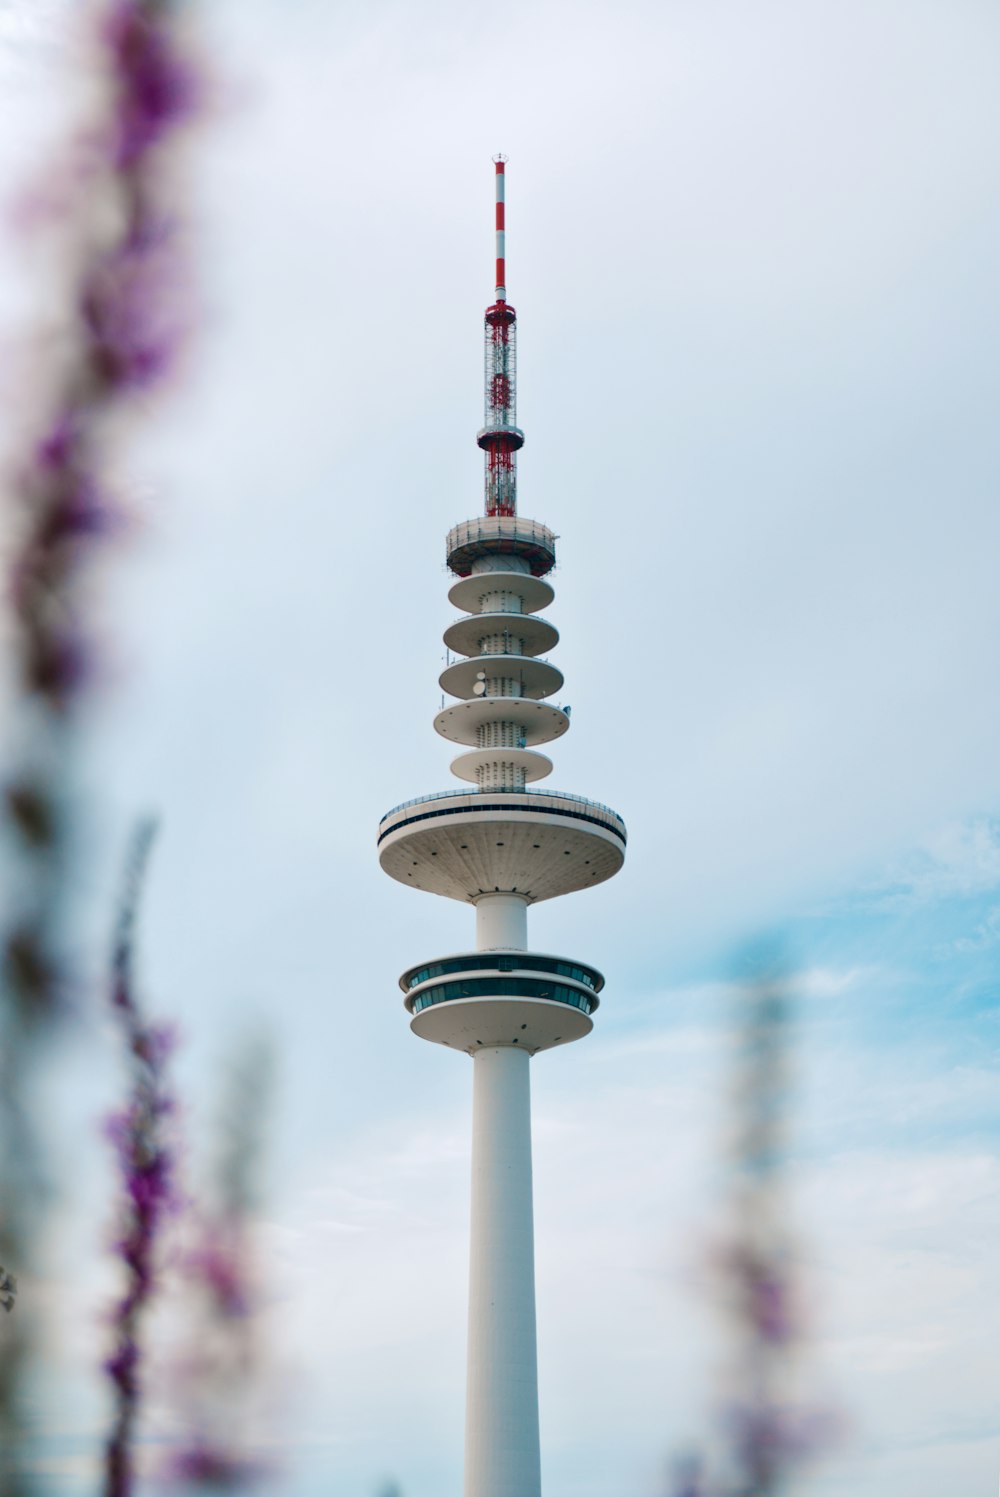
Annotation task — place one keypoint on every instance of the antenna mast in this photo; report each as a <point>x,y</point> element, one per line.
<point>500,437</point>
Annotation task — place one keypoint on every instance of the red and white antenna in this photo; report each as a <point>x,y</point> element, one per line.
<point>501,162</point>
<point>501,437</point>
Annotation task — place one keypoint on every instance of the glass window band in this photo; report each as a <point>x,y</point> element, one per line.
<point>503,987</point>
<point>507,963</point>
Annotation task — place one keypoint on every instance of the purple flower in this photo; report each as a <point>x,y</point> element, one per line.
<point>219,1469</point>
<point>143,1146</point>
<point>220,1387</point>
<point>116,203</point>
<point>157,89</point>
<point>131,309</point>
<point>217,1265</point>
<point>765,1436</point>
<point>56,448</point>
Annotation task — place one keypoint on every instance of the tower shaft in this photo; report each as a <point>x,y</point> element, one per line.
<point>502,1454</point>
<point>501,1417</point>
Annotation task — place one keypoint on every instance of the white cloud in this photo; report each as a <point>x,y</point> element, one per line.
<point>960,859</point>
<point>985,935</point>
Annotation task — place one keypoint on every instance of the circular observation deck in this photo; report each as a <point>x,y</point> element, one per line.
<point>532,593</point>
<point>493,536</point>
<point>482,999</point>
<point>536,678</point>
<point>534,843</point>
<point>510,437</point>
<point>511,959</point>
<point>539,721</point>
<point>535,636</point>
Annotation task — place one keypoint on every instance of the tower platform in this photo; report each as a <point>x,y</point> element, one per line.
<point>480,999</point>
<point>479,632</point>
<point>473,593</point>
<point>523,675</point>
<point>537,721</point>
<point>493,536</point>
<point>535,843</point>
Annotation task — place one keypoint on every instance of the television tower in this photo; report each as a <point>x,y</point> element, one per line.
<point>501,846</point>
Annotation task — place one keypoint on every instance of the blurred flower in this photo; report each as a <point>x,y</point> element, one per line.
<point>120,318</point>
<point>220,1373</point>
<point>768,1430</point>
<point>127,298</point>
<point>140,1134</point>
<point>157,87</point>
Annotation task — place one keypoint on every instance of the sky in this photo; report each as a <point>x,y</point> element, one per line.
<point>754,255</point>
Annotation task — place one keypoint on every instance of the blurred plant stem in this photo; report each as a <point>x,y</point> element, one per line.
<point>113,333</point>
<point>758,1263</point>
<point>767,1430</point>
<point>220,1375</point>
<point>140,1133</point>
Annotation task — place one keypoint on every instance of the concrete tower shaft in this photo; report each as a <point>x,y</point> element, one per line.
<point>501,845</point>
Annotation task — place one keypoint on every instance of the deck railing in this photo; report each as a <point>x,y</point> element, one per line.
<point>580,800</point>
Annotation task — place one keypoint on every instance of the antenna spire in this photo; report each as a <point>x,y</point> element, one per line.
<point>501,290</point>
<point>501,436</point>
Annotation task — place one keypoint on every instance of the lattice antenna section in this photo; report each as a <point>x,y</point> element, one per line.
<point>500,437</point>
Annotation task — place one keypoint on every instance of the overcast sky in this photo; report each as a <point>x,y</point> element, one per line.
<point>754,253</point>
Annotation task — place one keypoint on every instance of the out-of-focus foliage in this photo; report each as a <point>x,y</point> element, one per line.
<point>219,1378</point>
<point>767,1427</point>
<point>114,327</point>
<point>141,1135</point>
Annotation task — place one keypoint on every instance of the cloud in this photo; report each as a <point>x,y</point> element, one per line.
<point>986,934</point>
<point>909,1283</point>
<point>960,860</point>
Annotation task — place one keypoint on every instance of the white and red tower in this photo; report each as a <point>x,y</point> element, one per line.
<point>501,845</point>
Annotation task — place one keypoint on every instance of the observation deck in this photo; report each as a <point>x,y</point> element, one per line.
<point>490,537</point>
<point>481,999</point>
<point>537,844</point>
<point>511,437</point>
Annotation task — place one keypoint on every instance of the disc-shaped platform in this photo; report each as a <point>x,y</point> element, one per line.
<point>537,844</point>
<point>535,766</point>
<point>536,635</point>
<point>537,678</point>
<point>511,437</point>
<point>492,536</point>
<point>502,961</point>
<point>533,592</point>
<point>541,722</point>
<point>472,1023</point>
